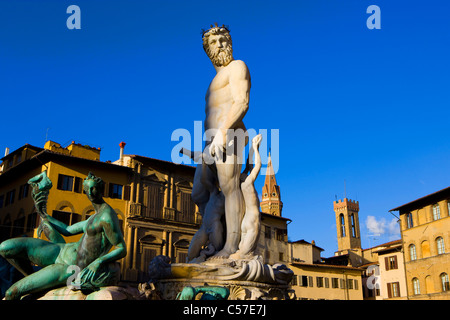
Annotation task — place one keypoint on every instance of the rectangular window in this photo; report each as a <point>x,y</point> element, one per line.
<point>342,282</point>
<point>391,263</point>
<point>182,257</point>
<point>147,256</point>
<point>154,201</point>
<point>267,232</point>
<point>335,283</point>
<point>327,282</point>
<point>281,234</point>
<point>10,195</point>
<point>319,282</point>
<point>304,281</point>
<point>23,191</point>
<point>393,289</point>
<point>127,193</point>
<point>69,218</point>
<point>62,216</point>
<point>396,289</point>
<point>18,227</point>
<point>187,206</point>
<point>294,281</point>
<point>409,220</point>
<point>75,218</point>
<point>78,187</point>
<point>448,206</point>
<point>115,191</point>
<point>310,281</point>
<point>350,283</point>
<point>32,222</point>
<point>65,182</point>
<point>436,212</point>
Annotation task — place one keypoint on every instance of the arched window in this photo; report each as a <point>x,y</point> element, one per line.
<point>444,281</point>
<point>412,252</point>
<point>436,212</point>
<point>416,285</point>
<point>353,225</point>
<point>440,245</point>
<point>342,226</point>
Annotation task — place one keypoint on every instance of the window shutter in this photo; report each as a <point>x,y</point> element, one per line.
<point>106,191</point>
<point>78,185</point>
<point>386,263</point>
<point>398,286</point>
<point>60,182</point>
<point>342,281</point>
<point>395,262</point>
<point>127,192</point>
<point>389,289</point>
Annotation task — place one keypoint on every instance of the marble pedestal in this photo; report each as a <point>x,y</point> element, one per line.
<point>245,279</point>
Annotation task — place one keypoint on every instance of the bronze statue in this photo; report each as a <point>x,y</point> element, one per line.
<point>208,293</point>
<point>91,255</point>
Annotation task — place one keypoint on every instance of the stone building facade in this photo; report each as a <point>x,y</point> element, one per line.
<point>425,231</point>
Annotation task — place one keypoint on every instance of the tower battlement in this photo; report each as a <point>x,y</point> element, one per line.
<point>351,204</point>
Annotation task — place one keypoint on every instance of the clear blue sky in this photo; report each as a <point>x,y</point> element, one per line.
<point>368,107</point>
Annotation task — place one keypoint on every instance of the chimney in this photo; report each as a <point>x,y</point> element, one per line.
<point>3,164</point>
<point>122,146</point>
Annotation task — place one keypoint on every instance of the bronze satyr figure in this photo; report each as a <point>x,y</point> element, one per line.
<point>91,255</point>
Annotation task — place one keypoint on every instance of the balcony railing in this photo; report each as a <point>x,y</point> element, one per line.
<point>169,214</point>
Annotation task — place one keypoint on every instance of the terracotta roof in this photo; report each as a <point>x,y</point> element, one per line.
<point>306,242</point>
<point>387,244</point>
<point>274,216</point>
<point>432,197</point>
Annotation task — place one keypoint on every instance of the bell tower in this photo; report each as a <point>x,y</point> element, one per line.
<point>347,225</point>
<point>271,199</point>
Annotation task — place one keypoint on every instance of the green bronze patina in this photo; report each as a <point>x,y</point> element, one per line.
<point>92,254</point>
<point>208,293</point>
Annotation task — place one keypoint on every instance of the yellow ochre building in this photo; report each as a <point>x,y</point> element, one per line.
<point>425,231</point>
